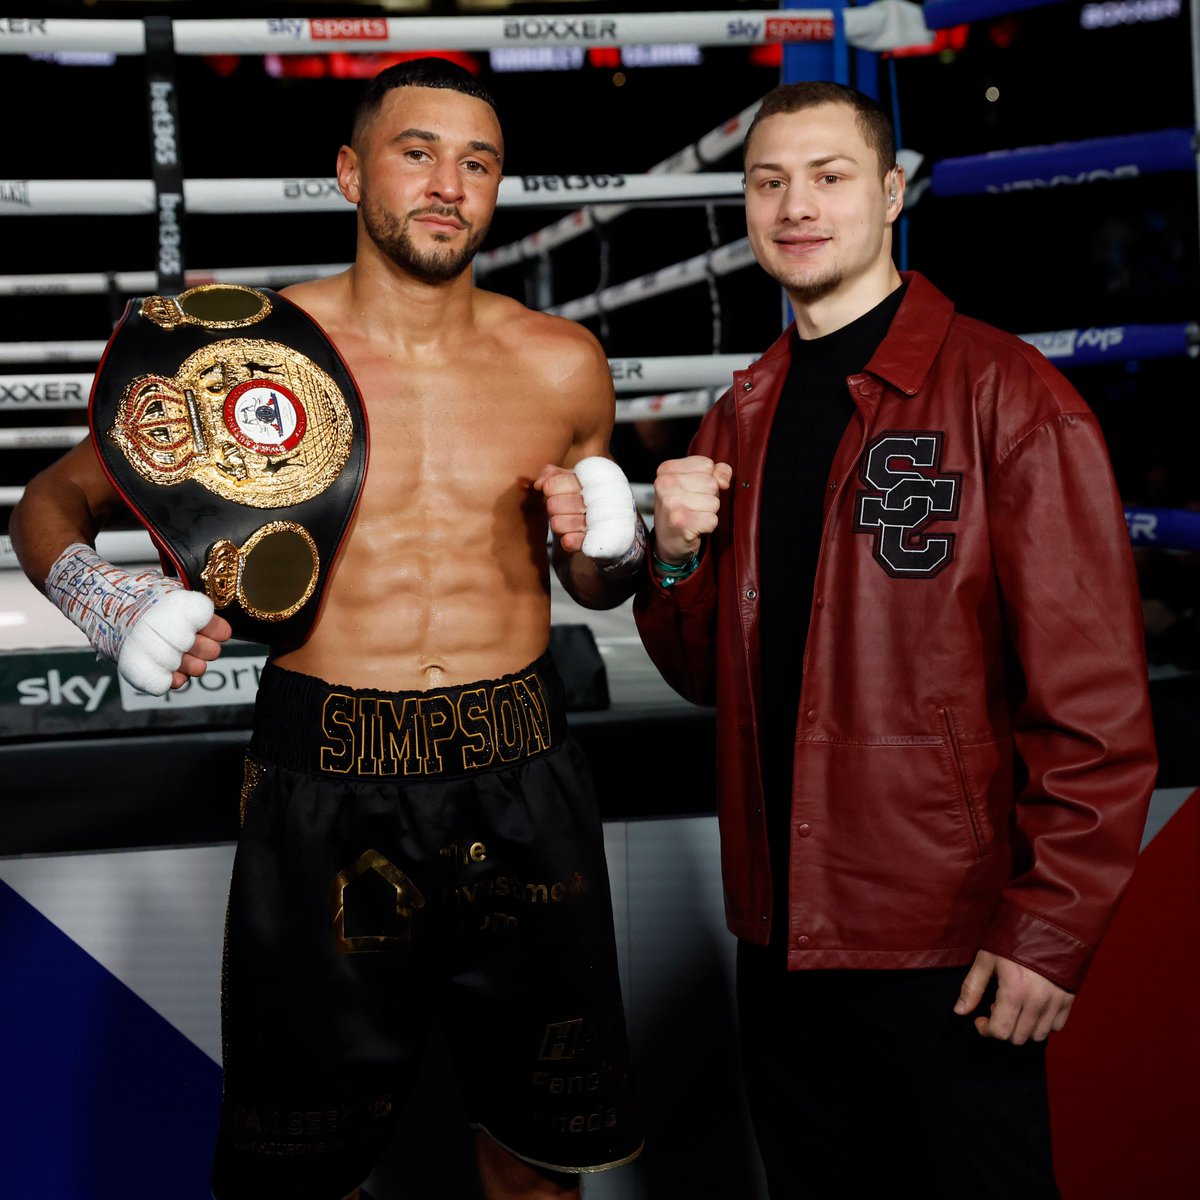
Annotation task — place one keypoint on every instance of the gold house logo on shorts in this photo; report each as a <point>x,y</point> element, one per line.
<point>430,734</point>
<point>392,928</point>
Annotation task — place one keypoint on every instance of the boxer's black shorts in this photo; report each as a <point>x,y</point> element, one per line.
<point>406,855</point>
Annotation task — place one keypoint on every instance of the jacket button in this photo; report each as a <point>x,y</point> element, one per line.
<point>833,487</point>
<point>751,594</point>
<point>745,483</point>
<point>811,716</point>
<point>802,940</point>
<point>820,601</point>
<point>804,829</point>
<point>747,386</point>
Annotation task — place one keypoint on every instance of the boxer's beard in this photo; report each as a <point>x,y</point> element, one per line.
<point>391,235</point>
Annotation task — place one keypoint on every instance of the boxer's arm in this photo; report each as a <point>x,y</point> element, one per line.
<point>597,558</point>
<point>70,501</point>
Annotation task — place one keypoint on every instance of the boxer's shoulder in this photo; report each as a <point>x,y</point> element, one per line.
<point>540,340</point>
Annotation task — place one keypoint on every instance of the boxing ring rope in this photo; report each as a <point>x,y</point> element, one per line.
<point>941,14</point>
<point>1074,347</point>
<point>123,197</point>
<point>710,148</point>
<point>1066,163</point>
<point>884,24</point>
<point>142,283</point>
<point>1024,168</point>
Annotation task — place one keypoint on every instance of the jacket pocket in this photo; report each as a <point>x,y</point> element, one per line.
<point>967,799</point>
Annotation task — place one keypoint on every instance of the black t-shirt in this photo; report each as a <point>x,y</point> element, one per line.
<point>814,409</point>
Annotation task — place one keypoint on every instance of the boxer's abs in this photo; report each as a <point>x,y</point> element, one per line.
<point>433,596</point>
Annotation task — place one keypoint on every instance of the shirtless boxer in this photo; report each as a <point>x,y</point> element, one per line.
<point>419,832</point>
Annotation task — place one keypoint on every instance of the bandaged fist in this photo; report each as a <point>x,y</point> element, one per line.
<point>592,509</point>
<point>158,633</point>
<point>687,499</point>
<point>172,642</point>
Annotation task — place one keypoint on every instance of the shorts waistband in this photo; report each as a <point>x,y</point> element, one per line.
<point>308,724</point>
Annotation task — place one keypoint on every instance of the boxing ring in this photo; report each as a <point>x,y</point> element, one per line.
<point>112,893</point>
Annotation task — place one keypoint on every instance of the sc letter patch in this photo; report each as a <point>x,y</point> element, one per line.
<point>906,492</point>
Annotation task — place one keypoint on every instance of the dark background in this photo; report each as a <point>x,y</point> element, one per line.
<point>1116,252</point>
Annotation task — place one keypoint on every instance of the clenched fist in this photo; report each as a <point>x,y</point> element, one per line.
<point>687,499</point>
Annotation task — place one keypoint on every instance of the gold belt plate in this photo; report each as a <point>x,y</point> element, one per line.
<point>254,421</point>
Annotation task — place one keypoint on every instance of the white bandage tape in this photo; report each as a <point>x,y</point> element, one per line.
<point>145,623</point>
<point>609,511</point>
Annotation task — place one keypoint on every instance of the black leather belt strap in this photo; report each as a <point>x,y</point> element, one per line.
<point>233,429</point>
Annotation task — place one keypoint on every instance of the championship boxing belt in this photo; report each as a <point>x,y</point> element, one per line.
<point>233,429</point>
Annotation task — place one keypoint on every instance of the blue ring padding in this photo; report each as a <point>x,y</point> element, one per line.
<point>940,14</point>
<point>1064,163</point>
<point>1114,343</point>
<point>1163,528</point>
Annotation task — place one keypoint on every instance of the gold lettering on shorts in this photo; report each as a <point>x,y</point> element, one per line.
<point>338,712</point>
<point>438,724</point>
<point>473,721</point>
<point>529,695</point>
<point>560,1040</point>
<point>365,734</point>
<point>476,852</point>
<point>565,1085</point>
<point>506,719</point>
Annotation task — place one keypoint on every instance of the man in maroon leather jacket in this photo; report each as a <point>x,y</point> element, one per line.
<point>973,754</point>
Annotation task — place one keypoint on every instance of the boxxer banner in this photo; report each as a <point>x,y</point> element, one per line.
<point>230,424</point>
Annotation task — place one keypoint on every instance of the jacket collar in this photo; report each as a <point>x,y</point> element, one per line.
<point>918,330</point>
<point>903,359</point>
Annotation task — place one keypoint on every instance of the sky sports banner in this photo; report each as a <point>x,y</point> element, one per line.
<point>303,35</point>
<point>68,693</point>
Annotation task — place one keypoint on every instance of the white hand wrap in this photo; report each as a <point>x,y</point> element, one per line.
<point>145,623</point>
<point>616,536</point>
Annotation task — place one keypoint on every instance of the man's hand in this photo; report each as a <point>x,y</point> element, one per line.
<point>205,649</point>
<point>1027,1004</point>
<point>687,498</point>
<point>564,504</point>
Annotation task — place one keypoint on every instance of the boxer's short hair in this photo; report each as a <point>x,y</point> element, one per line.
<point>428,72</point>
<point>873,123</point>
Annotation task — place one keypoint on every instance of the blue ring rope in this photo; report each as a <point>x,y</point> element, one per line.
<point>939,14</point>
<point>1065,163</point>
<point>1115,343</point>
<point>1163,528</point>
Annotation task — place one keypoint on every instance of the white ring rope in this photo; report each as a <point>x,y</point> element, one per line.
<point>711,148</point>
<point>120,197</point>
<point>143,283</point>
<point>49,352</point>
<point>724,260</point>
<point>665,405</point>
<point>24,392</point>
<point>113,545</point>
<point>884,25</point>
<point>44,437</point>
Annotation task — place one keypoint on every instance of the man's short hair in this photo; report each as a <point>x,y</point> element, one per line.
<point>416,72</point>
<point>873,123</point>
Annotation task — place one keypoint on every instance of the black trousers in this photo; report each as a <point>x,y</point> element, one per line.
<point>865,1083</point>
